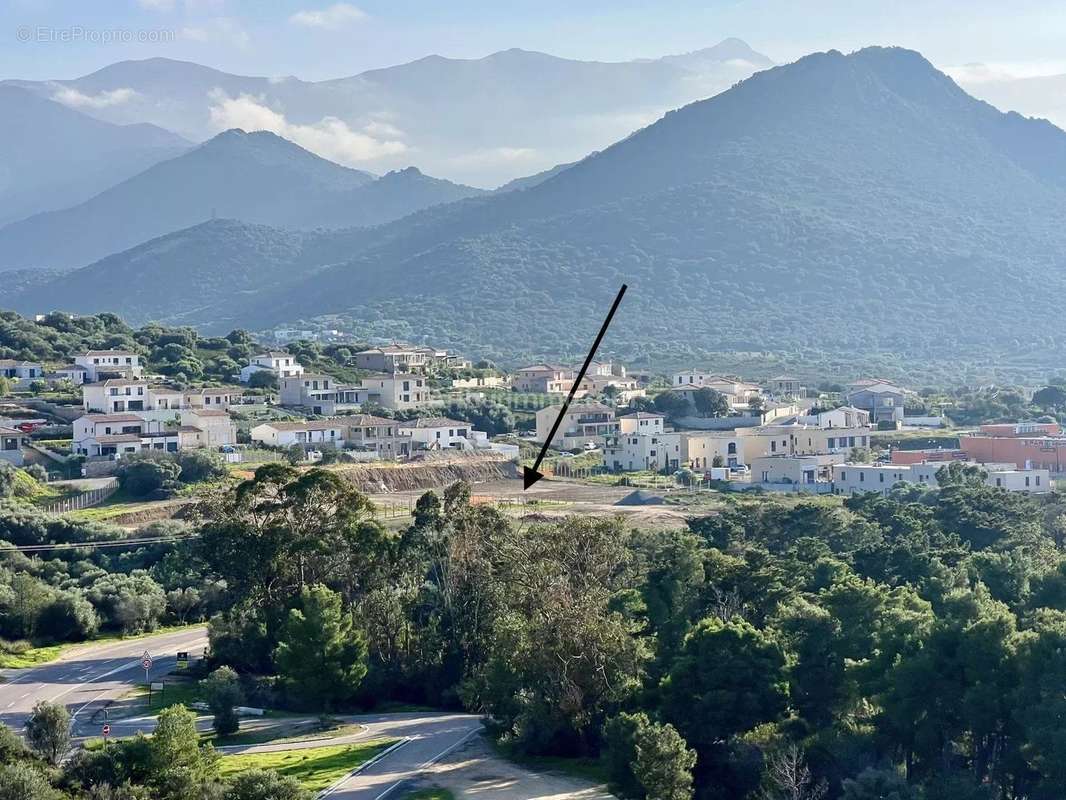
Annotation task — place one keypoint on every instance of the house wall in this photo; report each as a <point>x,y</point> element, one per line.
<point>1039,452</point>
<point>698,449</point>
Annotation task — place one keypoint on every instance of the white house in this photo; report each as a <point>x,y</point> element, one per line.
<point>629,452</point>
<point>310,432</point>
<point>860,478</point>
<point>117,435</point>
<point>100,364</point>
<point>114,396</point>
<point>21,370</point>
<point>75,373</point>
<point>320,394</point>
<point>117,395</point>
<point>396,390</point>
<point>438,433</point>
<point>12,444</point>
<point>282,364</point>
<point>641,422</point>
<point>207,427</point>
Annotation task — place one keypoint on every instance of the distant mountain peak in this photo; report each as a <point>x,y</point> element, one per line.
<point>731,49</point>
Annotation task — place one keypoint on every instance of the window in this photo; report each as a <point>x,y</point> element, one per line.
<point>1037,480</point>
<point>862,477</point>
<point>831,442</point>
<point>843,475</point>
<point>881,477</point>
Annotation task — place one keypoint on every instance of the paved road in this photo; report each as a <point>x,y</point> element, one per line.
<point>426,738</point>
<point>84,679</point>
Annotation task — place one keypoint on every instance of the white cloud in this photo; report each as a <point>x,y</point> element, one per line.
<point>330,137</point>
<point>70,96</point>
<point>156,5</point>
<point>335,16</point>
<point>219,29</point>
<point>1004,71</point>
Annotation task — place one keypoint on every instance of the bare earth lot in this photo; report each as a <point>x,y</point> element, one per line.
<point>559,498</point>
<point>474,771</point>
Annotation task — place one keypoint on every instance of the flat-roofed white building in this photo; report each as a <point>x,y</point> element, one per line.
<point>101,364</point>
<point>634,452</point>
<point>282,364</point>
<point>880,478</point>
<point>117,435</point>
<point>438,433</point>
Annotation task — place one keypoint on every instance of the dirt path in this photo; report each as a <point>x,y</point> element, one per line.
<point>474,771</point>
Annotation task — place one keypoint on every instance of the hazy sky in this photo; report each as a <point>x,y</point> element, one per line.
<point>315,39</point>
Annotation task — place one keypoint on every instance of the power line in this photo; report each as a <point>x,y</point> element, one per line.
<point>34,548</point>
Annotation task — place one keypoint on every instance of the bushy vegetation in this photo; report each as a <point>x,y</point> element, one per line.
<point>181,353</point>
<point>842,648</point>
<point>69,595</point>
<point>152,475</point>
<point>909,645</point>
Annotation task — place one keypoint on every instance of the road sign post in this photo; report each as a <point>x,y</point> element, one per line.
<point>146,662</point>
<point>106,730</point>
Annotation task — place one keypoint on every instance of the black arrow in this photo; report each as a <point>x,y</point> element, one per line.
<point>531,476</point>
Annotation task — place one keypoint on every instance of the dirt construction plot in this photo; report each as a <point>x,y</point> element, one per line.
<point>474,771</point>
<point>557,499</point>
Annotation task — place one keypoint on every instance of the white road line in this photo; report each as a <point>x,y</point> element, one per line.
<point>429,763</point>
<point>366,765</point>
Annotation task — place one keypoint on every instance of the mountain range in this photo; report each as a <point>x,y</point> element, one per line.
<point>477,121</point>
<point>841,204</point>
<point>52,156</point>
<point>255,177</point>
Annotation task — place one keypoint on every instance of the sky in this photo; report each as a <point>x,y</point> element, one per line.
<point>318,39</point>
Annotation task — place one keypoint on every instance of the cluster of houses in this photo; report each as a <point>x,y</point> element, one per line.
<point>602,377</point>
<point>779,442</point>
<point>769,435</point>
<point>127,413</point>
<point>398,381</point>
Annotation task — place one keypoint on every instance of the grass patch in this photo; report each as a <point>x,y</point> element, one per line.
<point>23,655</point>
<point>436,793</point>
<point>316,768</point>
<point>175,691</point>
<point>283,734</point>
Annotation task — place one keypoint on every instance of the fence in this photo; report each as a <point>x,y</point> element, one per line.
<point>395,509</point>
<point>83,500</point>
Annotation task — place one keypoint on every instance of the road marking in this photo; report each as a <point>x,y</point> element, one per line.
<point>402,781</point>
<point>366,765</point>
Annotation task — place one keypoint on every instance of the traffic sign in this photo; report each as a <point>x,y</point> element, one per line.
<point>107,729</point>
<point>183,659</point>
<point>146,663</point>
